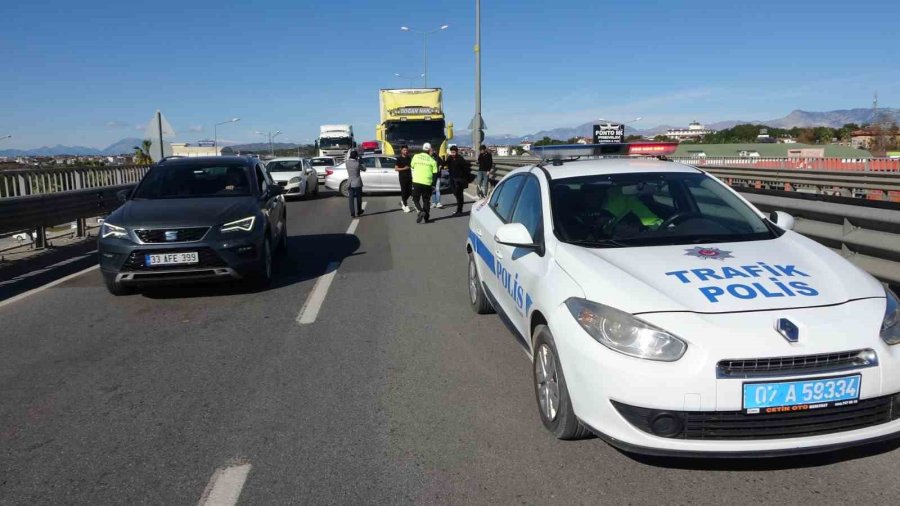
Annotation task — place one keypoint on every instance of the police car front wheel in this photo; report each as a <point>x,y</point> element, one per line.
<point>554,404</point>
<point>477,298</point>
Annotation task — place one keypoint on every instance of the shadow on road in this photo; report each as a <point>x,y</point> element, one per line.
<point>306,257</point>
<point>768,464</point>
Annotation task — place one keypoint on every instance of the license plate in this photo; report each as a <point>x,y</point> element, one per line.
<point>786,396</point>
<point>189,257</point>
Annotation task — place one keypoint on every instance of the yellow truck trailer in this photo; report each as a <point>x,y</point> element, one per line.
<point>412,117</point>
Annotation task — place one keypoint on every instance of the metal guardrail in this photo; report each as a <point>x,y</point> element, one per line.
<point>865,232</point>
<point>25,182</point>
<point>796,163</point>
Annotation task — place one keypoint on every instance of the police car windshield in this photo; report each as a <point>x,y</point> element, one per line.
<point>645,209</point>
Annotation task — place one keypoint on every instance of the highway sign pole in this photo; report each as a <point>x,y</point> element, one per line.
<point>159,123</point>
<point>477,123</point>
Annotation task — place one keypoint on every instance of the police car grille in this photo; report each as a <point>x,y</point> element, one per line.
<point>159,235</point>
<point>207,258</point>
<point>736,425</point>
<point>789,366</point>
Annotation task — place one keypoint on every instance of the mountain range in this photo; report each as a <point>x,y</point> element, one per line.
<point>796,118</point>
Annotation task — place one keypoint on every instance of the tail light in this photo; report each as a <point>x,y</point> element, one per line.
<point>328,172</point>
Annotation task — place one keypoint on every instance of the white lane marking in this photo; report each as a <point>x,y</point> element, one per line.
<point>316,298</point>
<point>225,486</point>
<point>48,285</point>
<point>473,197</point>
<point>45,269</point>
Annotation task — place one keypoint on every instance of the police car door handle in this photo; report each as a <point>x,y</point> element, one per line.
<point>479,232</point>
<point>497,253</point>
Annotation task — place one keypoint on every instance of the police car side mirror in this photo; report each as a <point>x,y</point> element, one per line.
<point>515,235</point>
<point>782,219</point>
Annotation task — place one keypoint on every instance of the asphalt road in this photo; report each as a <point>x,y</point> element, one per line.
<point>397,393</point>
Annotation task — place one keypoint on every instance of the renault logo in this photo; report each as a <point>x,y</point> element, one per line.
<point>171,235</point>
<point>788,330</point>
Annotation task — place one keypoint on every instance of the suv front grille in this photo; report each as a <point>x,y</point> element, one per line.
<point>737,425</point>
<point>208,258</point>
<point>790,366</point>
<point>158,235</point>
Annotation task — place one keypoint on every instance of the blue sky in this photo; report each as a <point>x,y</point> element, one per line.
<point>92,72</point>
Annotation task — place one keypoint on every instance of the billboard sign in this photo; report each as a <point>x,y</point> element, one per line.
<point>606,133</point>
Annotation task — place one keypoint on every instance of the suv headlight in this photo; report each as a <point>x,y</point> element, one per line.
<point>242,225</point>
<point>890,326</point>
<point>109,230</point>
<point>294,180</point>
<point>621,332</point>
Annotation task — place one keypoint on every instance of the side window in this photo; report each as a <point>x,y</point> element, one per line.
<point>505,196</point>
<point>388,162</point>
<point>528,209</point>
<point>262,179</point>
<point>370,162</point>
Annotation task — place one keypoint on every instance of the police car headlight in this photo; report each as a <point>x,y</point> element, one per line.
<point>294,180</point>
<point>890,326</point>
<point>621,332</point>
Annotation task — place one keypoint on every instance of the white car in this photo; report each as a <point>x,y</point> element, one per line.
<point>667,315</point>
<point>295,175</point>
<point>380,176</point>
<point>322,164</point>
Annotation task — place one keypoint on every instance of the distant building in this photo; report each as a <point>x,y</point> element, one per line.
<point>204,149</point>
<point>506,151</point>
<point>526,145</point>
<point>769,150</point>
<point>694,131</point>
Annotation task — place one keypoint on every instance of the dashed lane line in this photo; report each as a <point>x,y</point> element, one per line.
<point>316,298</point>
<point>225,485</point>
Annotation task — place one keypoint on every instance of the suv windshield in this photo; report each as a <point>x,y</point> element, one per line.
<point>322,162</point>
<point>192,181</point>
<point>285,166</point>
<point>651,209</point>
<point>415,133</point>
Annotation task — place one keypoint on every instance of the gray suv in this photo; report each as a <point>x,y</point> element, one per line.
<point>194,219</point>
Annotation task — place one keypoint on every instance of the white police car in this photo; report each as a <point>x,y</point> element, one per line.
<point>667,315</point>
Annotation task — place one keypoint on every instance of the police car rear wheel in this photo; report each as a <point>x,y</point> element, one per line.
<point>550,391</point>
<point>477,298</point>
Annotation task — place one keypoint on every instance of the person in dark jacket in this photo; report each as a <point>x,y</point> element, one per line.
<point>354,170</point>
<point>485,169</point>
<point>460,170</point>
<point>405,174</point>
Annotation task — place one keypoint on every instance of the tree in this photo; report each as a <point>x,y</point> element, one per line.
<point>661,138</point>
<point>142,153</point>
<point>547,141</point>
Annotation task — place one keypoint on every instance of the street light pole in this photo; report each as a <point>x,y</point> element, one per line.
<point>271,137</point>
<point>216,132</point>
<point>5,137</point>
<point>425,48</point>
<point>476,122</point>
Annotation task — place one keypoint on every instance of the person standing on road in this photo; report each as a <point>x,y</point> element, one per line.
<point>424,172</point>
<point>436,196</point>
<point>354,169</point>
<point>405,175</point>
<point>485,169</point>
<point>460,171</point>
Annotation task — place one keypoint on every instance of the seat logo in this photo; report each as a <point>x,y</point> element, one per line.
<point>788,330</point>
<point>171,235</point>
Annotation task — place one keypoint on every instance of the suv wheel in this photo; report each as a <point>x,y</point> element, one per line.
<point>114,287</point>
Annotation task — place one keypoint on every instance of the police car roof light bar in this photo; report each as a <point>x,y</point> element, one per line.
<point>576,151</point>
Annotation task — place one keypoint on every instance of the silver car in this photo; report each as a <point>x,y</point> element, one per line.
<point>295,175</point>
<point>380,176</point>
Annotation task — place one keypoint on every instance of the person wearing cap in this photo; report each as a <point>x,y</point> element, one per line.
<point>424,172</point>
<point>460,172</point>
<point>354,169</point>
